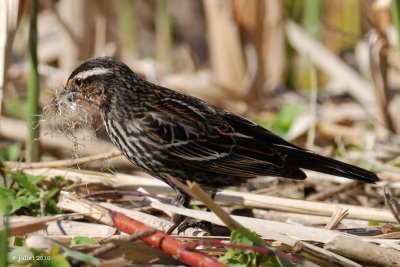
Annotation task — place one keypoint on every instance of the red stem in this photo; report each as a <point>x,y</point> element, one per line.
<point>162,241</point>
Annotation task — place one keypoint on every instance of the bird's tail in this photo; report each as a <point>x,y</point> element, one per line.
<point>311,161</point>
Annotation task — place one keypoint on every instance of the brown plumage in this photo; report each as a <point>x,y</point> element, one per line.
<point>165,132</point>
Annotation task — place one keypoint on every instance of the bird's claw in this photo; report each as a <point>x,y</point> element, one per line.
<point>203,225</point>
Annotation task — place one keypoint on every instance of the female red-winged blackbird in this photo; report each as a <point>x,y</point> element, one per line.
<point>166,133</point>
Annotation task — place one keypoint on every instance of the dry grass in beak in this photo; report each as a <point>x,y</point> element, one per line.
<point>71,117</point>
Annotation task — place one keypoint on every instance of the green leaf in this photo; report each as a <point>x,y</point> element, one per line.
<point>23,202</point>
<point>4,243</point>
<point>11,152</point>
<point>82,240</point>
<point>16,108</point>
<point>28,194</point>
<point>246,237</point>
<point>17,241</point>
<point>51,207</point>
<point>10,203</point>
<point>7,199</point>
<point>26,181</point>
<point>86,258</point>
<point>285,118</point>
<point>241,258</point>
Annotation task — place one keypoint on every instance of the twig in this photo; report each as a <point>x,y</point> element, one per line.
<point>312,108</point>
<point>42,203</point>
<point>273,230</point>
<point>111,246</point>
<point>126,192</point>
<point>196,192</point>
<point>33,225</point>
<point>378,42</point>
<point>321,256</point>
<point>332,191</point>
<point>128,225</point>
<point>63,163</point>
<point>303,206</point>
<point>392,204</point>
<point>9,18</point>
<point>338,215</point>
<point>142,190</point>
<point>153,221</point>
<point>206,199</point>
<point>394,235</point>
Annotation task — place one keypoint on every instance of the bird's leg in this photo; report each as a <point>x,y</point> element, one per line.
<point>177,219</point>
<point>204,225</point>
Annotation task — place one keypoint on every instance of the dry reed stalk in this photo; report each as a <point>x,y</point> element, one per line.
<point>229,197</point>
<point>322,58</point>
<point>321,256</point>
<point>273,50</point>
<point>73,13</point>
<point>51,5</point>
<point>303,206</point>
<point>99,26</point>
<point>338,215</point>
<point>308,220</point>
<point>226,55</point>
<point>365,252</point>
<point>392,203</point>
<point>164,42</point>
<point>151,220</point>
<point>249,17</point>
<point>10,14</point>
<point>127,26</point>
<point>342,24</point>
<point>63,163</point>
<point>312,109</point>
<point>284,232</point>
<point>379,47</point>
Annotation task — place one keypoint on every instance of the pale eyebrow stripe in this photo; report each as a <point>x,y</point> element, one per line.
<point>96,71</point>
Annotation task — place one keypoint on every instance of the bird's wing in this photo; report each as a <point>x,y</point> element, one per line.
<point>187,132</point>
<point>199,136</point>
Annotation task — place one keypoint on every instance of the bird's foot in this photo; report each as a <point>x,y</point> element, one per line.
<point>176,220</point>
<point>205,226</point>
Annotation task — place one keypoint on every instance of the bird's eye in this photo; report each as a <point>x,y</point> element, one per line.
<point>78,82</point>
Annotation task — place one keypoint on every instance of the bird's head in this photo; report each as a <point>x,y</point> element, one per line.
<point>95,80</point>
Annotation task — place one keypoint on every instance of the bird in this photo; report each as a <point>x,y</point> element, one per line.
<point>171,134</point>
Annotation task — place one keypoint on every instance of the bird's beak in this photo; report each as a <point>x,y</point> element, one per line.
<point>68,95</point>
<point>67,98</point>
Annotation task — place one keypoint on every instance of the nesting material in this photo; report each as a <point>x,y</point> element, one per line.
<point>72,118</point>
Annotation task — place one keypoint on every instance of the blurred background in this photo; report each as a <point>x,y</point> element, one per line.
<point>323,74</point>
